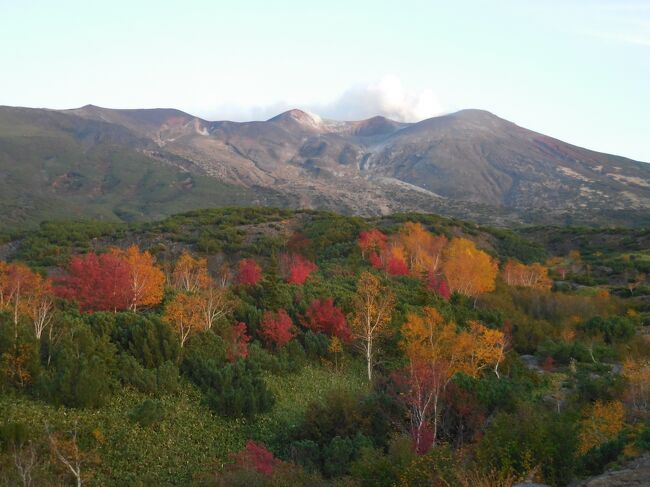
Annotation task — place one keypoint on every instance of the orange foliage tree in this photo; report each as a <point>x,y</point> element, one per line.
<point>468,270</point>
<point>17,281</point>
<point>184,314</point>
<point>373,310</point>
<point>26,293</point>
<point>602,423</point>
<point>146,280</point>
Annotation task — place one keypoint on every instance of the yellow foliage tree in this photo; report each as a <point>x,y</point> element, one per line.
<point>637,374</point>
<point>535,275</point>
<point>215,303</point>
<point>468,270</point>
<point>191,274</point>
<point>437,351</point>
<point>373,310</point>
<point>422,249</point>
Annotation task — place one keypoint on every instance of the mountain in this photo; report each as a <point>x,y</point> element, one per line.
<point>141,164</point>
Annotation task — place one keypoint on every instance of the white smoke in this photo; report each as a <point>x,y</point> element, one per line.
<point>387,97</point>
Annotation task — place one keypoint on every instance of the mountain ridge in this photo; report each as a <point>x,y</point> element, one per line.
<point>469,163</point>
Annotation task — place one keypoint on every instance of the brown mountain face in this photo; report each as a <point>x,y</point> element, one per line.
<point>470,163</point>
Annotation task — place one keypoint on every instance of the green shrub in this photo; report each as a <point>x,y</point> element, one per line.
<point>614,329</point>
<point>148,413</point>
<point>232,390</point>
<point>82,370</point>
<point>160,380</point>
<point>146,337</point>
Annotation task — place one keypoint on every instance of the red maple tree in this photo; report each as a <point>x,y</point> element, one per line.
<point>324,317</point>
<point>256,457</point>
<point>250,272</point>
<point>277,328</point>
<point>439,286</point>
<point>97,282</point>
<point>372,241</point>
<point>296,268</point>
<point>396,266</point>
<point>238,346</point>
<point>376,260</point>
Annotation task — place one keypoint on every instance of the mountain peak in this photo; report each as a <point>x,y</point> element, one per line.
<point>476,115</point>
<point>297,115</point>
<point>377,125</point>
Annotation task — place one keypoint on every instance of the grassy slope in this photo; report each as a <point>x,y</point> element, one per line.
<point>190,439</point>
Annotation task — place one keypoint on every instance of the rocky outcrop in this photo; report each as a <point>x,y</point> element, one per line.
<point>634,474</point>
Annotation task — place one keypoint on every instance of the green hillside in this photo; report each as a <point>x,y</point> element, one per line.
<point>65,167</point>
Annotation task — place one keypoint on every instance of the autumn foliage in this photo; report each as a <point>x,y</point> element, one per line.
<point>256,457</point>
<point>324,317</point>
<point>184,315</point>
<point>456,266</point>
<point>603,421</point>
<point>190,274</point>
<point>116,280</point>
<point>146,280</point>
<point>250,273</point>
<point>534,275</point>
<point>373,309</point>
<point>237,342</point>
<point>468,270</point>
<point>438,284</point>
<point>97,282</point>
<point>277,328</point>
<point>437,351</point>
<point>372,242</point>
<point>26,293</point>
<point>295,268</point>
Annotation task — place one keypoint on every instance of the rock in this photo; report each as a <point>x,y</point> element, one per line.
<point>634,474</point>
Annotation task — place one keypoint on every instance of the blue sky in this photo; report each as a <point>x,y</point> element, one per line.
<point>576,70</point>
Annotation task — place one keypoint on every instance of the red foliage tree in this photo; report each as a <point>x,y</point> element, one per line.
<point>238,342</point>
<point>420,385</point>
<point>277,328</point>
<point>296,268</point>
<point>256,457</point>
<point>97,282</point>
<point>372,241</point>
<point>396,266</point>
<point>322,316</point>
<point>250,272</point>
<point>375,260</point>
<point>439,286</point>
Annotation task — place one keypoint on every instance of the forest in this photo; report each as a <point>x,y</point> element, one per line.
<point>259,346</point>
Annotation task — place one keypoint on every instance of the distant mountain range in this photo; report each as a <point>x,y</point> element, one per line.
<point>144,164</point>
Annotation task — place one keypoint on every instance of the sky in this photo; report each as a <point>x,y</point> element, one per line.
<point>578,70</point>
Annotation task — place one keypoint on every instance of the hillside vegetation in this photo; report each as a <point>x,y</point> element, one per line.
<point>260,346</point>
